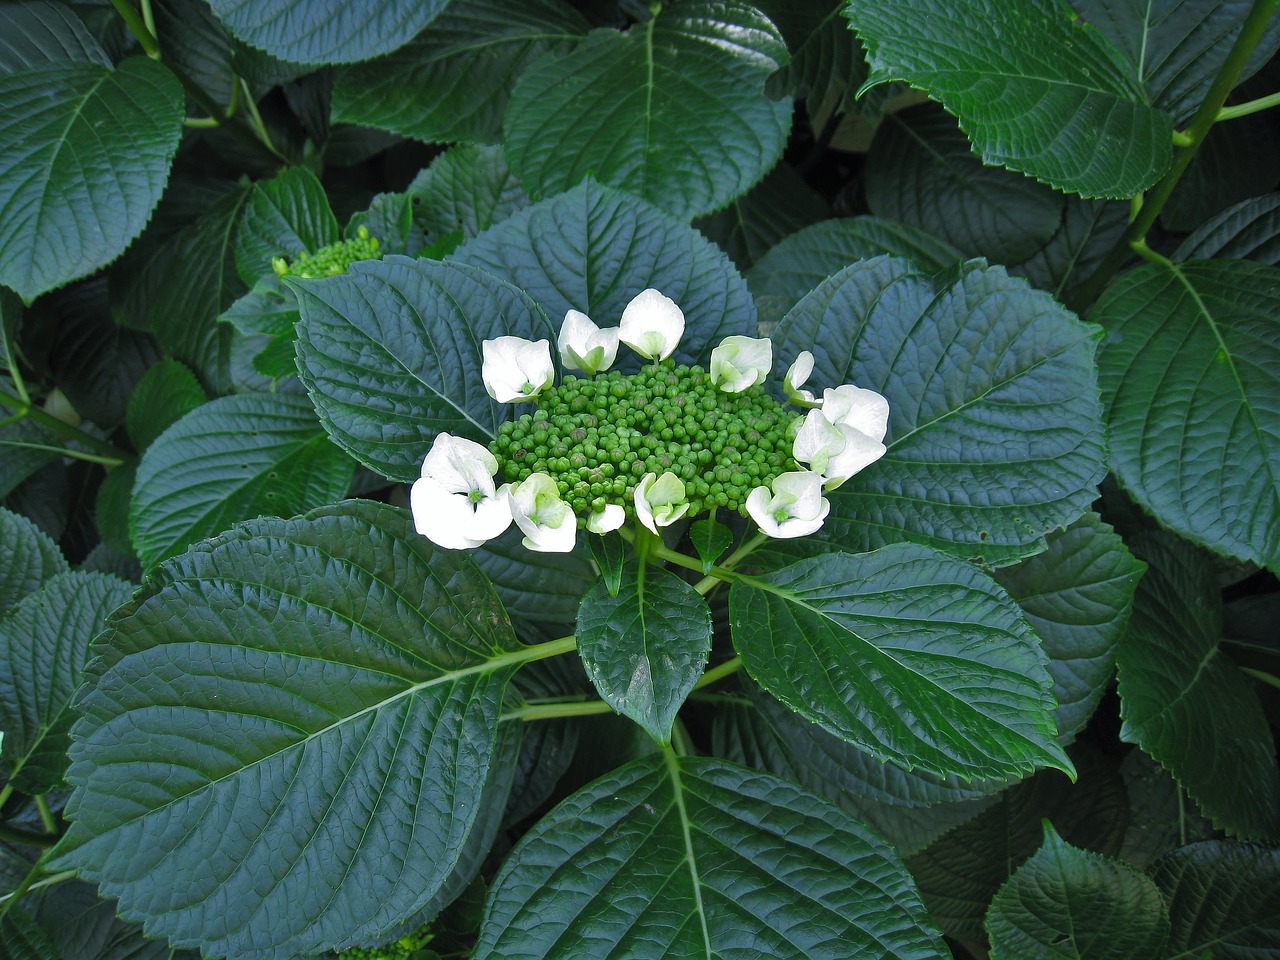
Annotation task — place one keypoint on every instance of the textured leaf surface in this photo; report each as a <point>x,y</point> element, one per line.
<point>646,647</point>
<point>28,557</point>
<point>84,926</point>
<point>539,587</point>
<point>827,65</point>
<point>468,188</point>
<point>712,857</point>
<point>1086,233</point>
<point>1077,595</point>
<point>390,353</point>
<point>236,457</point>
<point>286,735</point>
<point>1186,704</point>
<point>1246,231</point>
<point>1036,88</point>
<point>594,248</point>
<point>912,655</point>
<point>673,111</point>
<point>921,171</point>
<point>1224,900</point>
<point>165,394</point>
<point>326,31</point>
<point>287,215</point>
<point>995,433</point>
<point>86,153</point>
<point>1078,905</point>
<point>44,644</point>
<point>777,206</point>
<point>36,33</point>
<point>1189,370</point>
<point>452,82</point>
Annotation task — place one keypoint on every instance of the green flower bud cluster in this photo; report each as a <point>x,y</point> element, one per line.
<point>331,260</point>
<point>598,437</point>
<point>406,948</point>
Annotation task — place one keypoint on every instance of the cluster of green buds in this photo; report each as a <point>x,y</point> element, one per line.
<point>410,947</point>
<point>331,260</point>
<point>654,447</point>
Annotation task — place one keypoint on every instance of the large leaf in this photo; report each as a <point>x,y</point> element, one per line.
<point>235,457</point>
<point>1224,900</point>
<point>646,647</point>
<point>84,926</point>
<point>827,66</point>
<point>44,644</point>
<point>285,737</point>
<point>287,216</point>
<point>921,171</point>
<point>1036,88</point>
<point>165,394</point>
<point>594,248</point>
<point>1186,704</point>
<point>1077,905</point>
<point>390,353</point>
<point>778,205</point>
<point>326,31</point>
<point>1086,234</point>
<point>913,655</point>
<point>1246,231</point>
<point>675,857</point>
<point>86,152</point>
<point>452,82</point>
<point>673,111</point>
<point>38,32</point>
<point>1077,595</point>
<point>28,557</point>
<point>467,188</point>
<point>995,433</point>
<point>1189,370</point>
<point>539,587</point>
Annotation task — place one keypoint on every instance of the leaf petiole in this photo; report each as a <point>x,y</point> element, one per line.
<point>138,26</point>
<point>1251,107</point>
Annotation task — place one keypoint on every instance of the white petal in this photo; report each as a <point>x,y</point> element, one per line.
<point>451,520</point>
<point>859,452</point>
<point>461,465</point>
<point>864,410</point>
<point>584,346</point>
<point>610,518</point>
<point>796,507</point>
<point>652,325</point>
<point>547,522</point>
<point>660,500</point>
<point>741,362</point>
<point>516,369</point>
<point>817,441</point>
<point>797,375</point>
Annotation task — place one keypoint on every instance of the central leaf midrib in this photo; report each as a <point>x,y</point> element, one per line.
<point>677,789</point>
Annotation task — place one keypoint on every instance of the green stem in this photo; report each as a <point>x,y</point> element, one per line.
<point>1252,106</point>
<point>5,793</point>
<point>15,835</point>
<point>681,743</point>
<point>6,903</point>
<point>1146,253</point>
<point>552,711</point>
<point>46,815</point>
<point>1207,114</point>
<point>148,17</point>
<point>61,451</point>
<point>201,123</point>
<point>60,427</point>
<point>536,651</point>
<point>48,881</point>
<point>256,124</point>
<point>726,669</point>
<point>1263,676</point>
<point>138,27</point>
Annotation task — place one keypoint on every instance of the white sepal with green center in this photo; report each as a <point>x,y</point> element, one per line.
<point>660,500</point>
<point>547,522</point>
<point>837,451</point>
<point>585,346</point>
<point>864,410</point>
<point>652,325</point>
<point>741,362</point>
<point>455,504</point>
<point>516,369</point>
<point>796,377</point>
<point>795,507</point>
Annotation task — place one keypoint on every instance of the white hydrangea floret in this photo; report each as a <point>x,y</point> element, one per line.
<point>610,517</point>
<point>547,522</point>
<point>584,346</point>
<point>864,410</point>
<point>516,369</point>
<point>837,451</point>
<point>454,503</point>
<point>660,500</point>
<point>651,325</point>
<point>741,362</point>
<point>797,376</point>
<point>795,507</point>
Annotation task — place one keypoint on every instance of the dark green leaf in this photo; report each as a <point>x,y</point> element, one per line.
<point>235,457</point>
<point>326,31</point>
<point>25,447</point>
<point>711,539</point>
<point>673,110</point>
<point>921,171</point>
<point>913,655</point>
<point>1161,815</point>
<point>537,587</point>
<point>645,647</point>
<point>452,81</point>
<point>1077,905</point>
<point>36,33</point>
<point>1186,704</point>
<point>196,44</point>
<point>389,220</point>
<point>827,65</point>
<point>1087,232</point>
<point>287,216</point>
<point>469,188</point>
<point>84,926</point>
<point>166,393</point>
<point>803,260</point>
<point>1229,167</point>
<point>711,856</point>
<point>1247,231</point>
<point>111,509</point>
<point>1224,900</point>
<point>1077,595</point>
<point>778,205</point>
<point>86,153</point>
<point>22,939</point>
<point>336,666</point>
<point>568,253</point>
<point>609,552</point>
<point>28,557</point>
<point>995,433</point>
<point>1037,90</point>
<point>44,644</point>
<point>1189,371</point>
<point>390,353</point>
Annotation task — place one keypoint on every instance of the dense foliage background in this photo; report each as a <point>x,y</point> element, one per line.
<point>1017,698</point>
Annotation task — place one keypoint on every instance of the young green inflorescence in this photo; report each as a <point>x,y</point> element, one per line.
<point>331,260</point>
<point>598,437</point>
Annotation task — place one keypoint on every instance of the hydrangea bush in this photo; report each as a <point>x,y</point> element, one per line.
<point>639,480</point>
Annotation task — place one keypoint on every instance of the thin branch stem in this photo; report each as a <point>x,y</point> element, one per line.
<point>15,835</point>
<point>726,669</point>
<point>138,27</point>
<point>148,17</point>
<point>1249,107</point>
<point>46,815</point>
<point>61,451</point>
<point>256,123</point>
<point>552,711</point>
<point>48,881</point>
<point>6,903</point>
<point>60,427</point>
